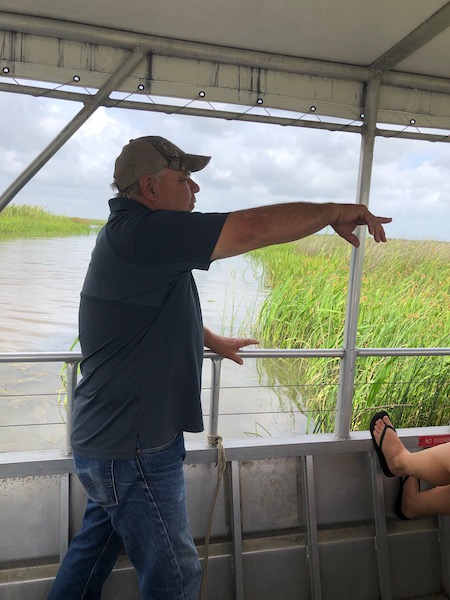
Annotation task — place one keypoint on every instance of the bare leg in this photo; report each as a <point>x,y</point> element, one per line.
<point>432,466</point>
<point>420,504</point>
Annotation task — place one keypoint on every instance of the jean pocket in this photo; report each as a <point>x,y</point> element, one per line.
<point>174,447</point>
<point>97,478</point>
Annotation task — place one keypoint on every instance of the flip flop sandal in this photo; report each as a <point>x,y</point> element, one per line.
<point>398,500</point>
<point>381,458</point>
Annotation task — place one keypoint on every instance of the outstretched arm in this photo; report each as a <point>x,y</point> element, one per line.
<point>245,230</point>
<point>225,346</point>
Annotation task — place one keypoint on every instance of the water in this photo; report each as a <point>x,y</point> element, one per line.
<point>40,283</point>
<point>41,279</point>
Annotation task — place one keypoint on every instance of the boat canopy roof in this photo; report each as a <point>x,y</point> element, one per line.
<point>302,63</point>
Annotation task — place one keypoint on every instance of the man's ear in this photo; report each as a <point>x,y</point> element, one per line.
<point>146,183</point>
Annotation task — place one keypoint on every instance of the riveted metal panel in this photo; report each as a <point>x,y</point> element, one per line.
<point>414,554</point>
<point>348,565</point>
<point>274,552</point>
<point>29,518</point>
<point>343,488</point>
<point>271,496</point>
<point>200,483</point>
<point>278,571</point>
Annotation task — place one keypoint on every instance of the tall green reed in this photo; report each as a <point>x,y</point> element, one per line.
<point>29,221</point>
<point>404,303</point>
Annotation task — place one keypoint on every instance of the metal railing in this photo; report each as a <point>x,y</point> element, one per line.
<point>72,360</point>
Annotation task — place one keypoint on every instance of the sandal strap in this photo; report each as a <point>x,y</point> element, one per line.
<point>386,426</point>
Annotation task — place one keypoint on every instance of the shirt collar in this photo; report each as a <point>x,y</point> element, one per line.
<point>122,203</point>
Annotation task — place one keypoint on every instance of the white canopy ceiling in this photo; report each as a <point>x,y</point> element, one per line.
<point>312,58</point>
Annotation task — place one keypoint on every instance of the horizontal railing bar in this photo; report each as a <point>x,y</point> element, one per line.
<point>287,353</point>
<point>6,357</point>
<point>53,462</point>
<point>67,357</point>
<point>403,351</point>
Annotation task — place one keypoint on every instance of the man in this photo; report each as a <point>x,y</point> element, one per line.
<point>142,341</point>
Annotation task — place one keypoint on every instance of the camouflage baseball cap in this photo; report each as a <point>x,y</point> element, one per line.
<point>150,154</point>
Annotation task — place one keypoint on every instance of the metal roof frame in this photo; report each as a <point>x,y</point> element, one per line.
<point>78,56</point>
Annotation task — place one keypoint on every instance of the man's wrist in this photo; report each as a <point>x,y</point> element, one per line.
<point>332,210</point>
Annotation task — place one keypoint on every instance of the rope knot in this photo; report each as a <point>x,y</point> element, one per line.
<point>214,441</point>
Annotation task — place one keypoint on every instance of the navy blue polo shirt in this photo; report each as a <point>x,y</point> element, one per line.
<point>141,330</point>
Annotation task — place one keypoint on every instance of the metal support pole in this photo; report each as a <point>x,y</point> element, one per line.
<point>91,105</point>
<point>381,541</point>
<point>71,385</point>
<point>64,516</point>
<point>444,538</point>
<point>311,523</point>
<point>348,362</point>
<point>216,365</point>
<point>236,524</point>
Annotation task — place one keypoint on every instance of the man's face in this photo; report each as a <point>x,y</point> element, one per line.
<point>175,190</point>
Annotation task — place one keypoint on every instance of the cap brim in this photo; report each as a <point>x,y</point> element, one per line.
<point>194,162</point>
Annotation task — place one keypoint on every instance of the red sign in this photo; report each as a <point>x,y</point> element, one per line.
<point>425,441</point>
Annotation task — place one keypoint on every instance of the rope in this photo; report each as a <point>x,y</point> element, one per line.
<point>213,440</point>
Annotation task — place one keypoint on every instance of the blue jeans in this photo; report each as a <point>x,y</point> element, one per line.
<point>140,503</point>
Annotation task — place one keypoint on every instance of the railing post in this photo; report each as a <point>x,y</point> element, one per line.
<point>72,369</point>
<point>64,515</point>
<point>381,538</point>
<point>236,531</point>
<point>216,364</point>
<point>444,538</point>
<point>348,362</point>
<point>313,554</point>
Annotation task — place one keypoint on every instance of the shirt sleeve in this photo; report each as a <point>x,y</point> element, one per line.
<point>177,237</point>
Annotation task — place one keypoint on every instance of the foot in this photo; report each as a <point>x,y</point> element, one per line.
<point>411,491</point>
<point>392,447</point>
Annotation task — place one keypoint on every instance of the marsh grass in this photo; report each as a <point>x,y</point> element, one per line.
<point>405,302</point>
<point>32,221</point>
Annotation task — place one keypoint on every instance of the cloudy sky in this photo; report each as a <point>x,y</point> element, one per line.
<point>251,164</point>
